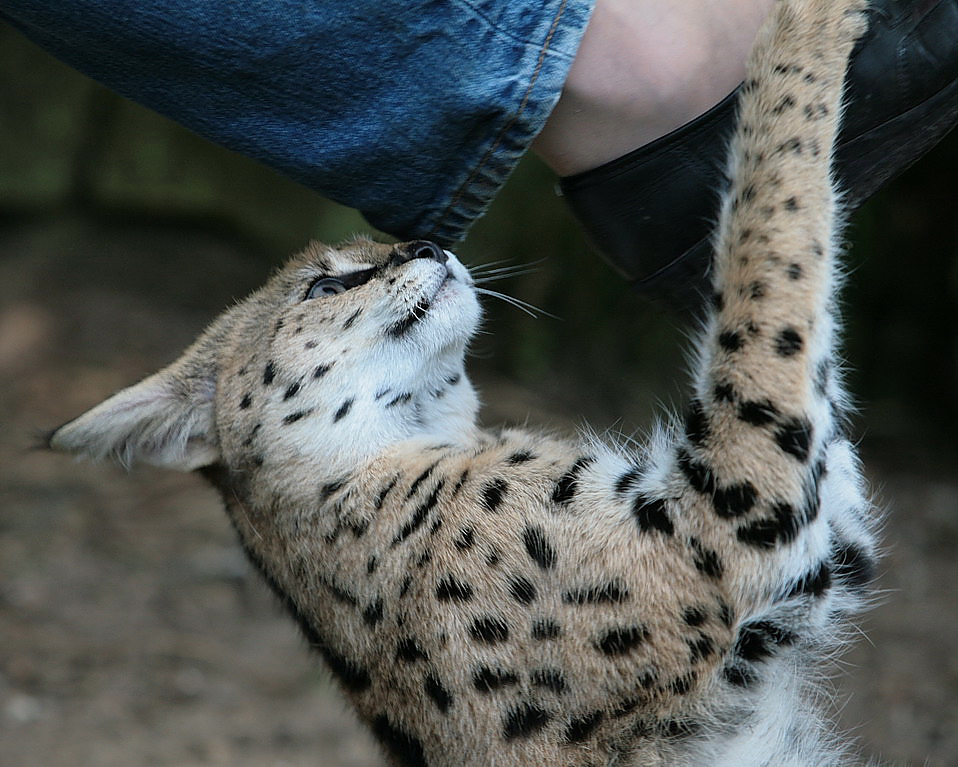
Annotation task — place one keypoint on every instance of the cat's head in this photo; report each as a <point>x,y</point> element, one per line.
<point>343,352</point>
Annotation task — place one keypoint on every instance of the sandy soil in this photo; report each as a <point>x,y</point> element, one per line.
<point>133,633</point>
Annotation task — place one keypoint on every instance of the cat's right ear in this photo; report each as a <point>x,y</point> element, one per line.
<point>165,420</point>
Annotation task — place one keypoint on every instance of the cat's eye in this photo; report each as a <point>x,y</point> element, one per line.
<point>327,286</point>
<point>333,286</point>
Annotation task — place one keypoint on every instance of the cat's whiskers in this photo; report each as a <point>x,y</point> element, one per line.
<point>525,306</point>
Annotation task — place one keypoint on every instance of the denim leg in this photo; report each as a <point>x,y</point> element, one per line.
<point>414,112</point>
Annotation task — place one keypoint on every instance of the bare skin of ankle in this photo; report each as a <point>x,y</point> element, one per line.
<point>644,69</point>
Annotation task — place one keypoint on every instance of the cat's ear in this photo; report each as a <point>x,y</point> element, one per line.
<point>165,420</point>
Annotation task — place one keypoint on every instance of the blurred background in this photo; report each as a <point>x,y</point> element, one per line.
<point>131,630</point>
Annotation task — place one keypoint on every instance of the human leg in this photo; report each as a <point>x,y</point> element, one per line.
<point>643,70</point>
<point>414,112</point>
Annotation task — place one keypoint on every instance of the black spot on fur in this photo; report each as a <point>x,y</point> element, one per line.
<point>269,373</point>
<point>321,370</point>
<point>550,679</point>
<point>522,590</point>
<point>696,424</point>
<point>525,720</point>
<point>682,684</point>
<point>788,342</point>
<point>567,485</point>
<point>735,500</point>
<point>350,675</point>
<point>706,560</point>
<point>814,583</point>
<point>546,629</point>
<point>460,482</point>
<point>852,565</point>
<point>489,629</point>
<point>371,565</point>
<point>381,498</point>
<point>723,392</point>
<point>697,473</point>
<point>786,103</point>
<point>757,291</point>
<point>700,648</point>
<point>490,680</point>
<point>343,410</point>
<point>409,651</point>
<point>793,145</point>
<point>795,271</point>
<point>452,589</point>
<point>352,318</point>
<point>580,728</point>
<point>419,516</point>
<point>730,340</point>
<point>627,481</point>
<point>246,401</point>
<point>404,588</point>
<point>297,416</point>
<point>795,438</point>
<point>400,328</point>
<point>758,413</point>
<point>341,594</point>
<point>420,479</point>
<point>329,489</point>
<point>399,399</point>
<point>694,616</point>
<point>758,640</point>
<point>520,456</point>
<point>791,204</point>
<point>439,694</point>
<point>779,528</point>
<point>612,592</point>
<point>651,515</point>
<point>404,748</point>
<point>292,390</point>
<point>620,641</point>
<point>252,435</point>
<point>424,559</point>
<point>739,676</point>
<point>466,540</point>
<point>374,613</point>
<point>538,547</point>
<point>492,494</point>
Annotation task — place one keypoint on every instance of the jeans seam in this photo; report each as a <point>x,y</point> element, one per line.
<point>509,125</point>
<point>506,33</point>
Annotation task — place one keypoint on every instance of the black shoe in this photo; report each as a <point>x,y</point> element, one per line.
<point>651,212</point>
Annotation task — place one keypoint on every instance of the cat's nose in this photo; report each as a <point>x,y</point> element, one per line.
<point>409,251</point>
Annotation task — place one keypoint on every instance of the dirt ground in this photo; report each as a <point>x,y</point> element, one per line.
<point>133,633</point>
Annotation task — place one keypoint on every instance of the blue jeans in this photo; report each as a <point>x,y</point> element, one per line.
<point>414,112</point>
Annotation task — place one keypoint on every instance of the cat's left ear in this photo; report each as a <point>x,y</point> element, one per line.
<point>165,420</point>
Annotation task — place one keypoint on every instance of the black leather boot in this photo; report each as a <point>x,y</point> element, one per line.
<point>651,212</point>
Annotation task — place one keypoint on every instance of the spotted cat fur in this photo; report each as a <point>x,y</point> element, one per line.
<point>510,598</point>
